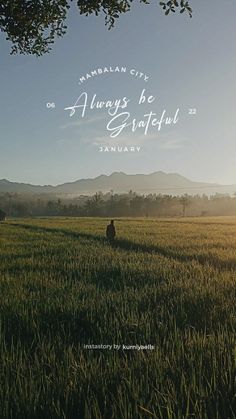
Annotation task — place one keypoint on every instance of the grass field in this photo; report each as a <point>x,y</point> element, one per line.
<point>167,282</point>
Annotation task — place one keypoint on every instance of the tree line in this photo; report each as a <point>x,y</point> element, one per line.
<point>114,205</point>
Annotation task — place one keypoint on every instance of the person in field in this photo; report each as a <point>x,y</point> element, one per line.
<point>111,232</point>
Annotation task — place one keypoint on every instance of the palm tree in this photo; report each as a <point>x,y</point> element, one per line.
<point>185,201</point>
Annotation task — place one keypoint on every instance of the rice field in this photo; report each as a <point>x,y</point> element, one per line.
<point>161,301</point>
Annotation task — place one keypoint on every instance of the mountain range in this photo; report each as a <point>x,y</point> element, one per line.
<point>119,182</point>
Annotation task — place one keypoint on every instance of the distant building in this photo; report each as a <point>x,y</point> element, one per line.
<point>2,215</point>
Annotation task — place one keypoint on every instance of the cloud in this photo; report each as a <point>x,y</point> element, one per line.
<point>93,132</point>
<point>81,122</point>
<point>172,142</point>
<point>94,137</point>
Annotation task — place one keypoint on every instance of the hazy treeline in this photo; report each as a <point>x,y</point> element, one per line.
<point>114,205</point>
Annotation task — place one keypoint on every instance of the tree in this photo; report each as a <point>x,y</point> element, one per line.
<point>2,215</point>
<point>94,205</point>
<point>185,201</point>
<point>33,25</point>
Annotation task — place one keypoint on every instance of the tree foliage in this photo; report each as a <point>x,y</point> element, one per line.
<point>33,25</point>
<point>114,205</point>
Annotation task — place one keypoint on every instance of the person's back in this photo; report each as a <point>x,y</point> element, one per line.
<point>111,231</point>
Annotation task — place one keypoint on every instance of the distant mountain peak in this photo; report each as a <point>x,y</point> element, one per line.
<point>118,174</point>
<point>120,182</point>
<point>4,181</point>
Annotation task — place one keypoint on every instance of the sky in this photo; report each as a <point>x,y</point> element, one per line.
<point>188,64</point>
